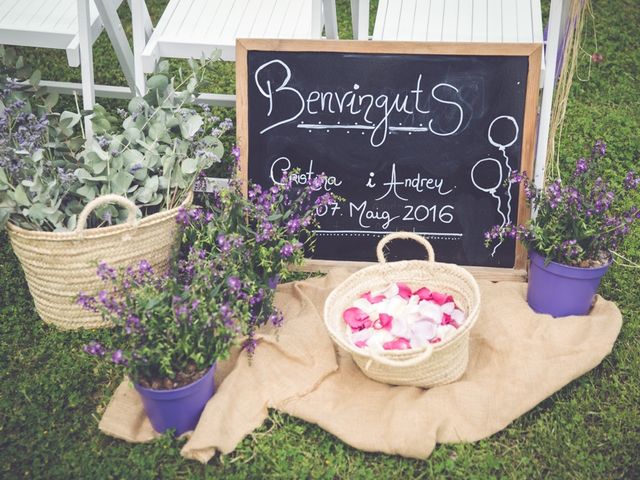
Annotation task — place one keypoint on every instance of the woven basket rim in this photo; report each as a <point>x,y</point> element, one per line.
<point>97,232</point>
<point>472,316</point>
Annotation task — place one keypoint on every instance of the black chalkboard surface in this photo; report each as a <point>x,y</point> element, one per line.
<point>412,138</point>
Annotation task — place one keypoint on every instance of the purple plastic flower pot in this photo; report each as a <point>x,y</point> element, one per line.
<point>179,408</point>
<point>561,290</point>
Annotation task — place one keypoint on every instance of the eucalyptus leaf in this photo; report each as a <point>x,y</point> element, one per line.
<point>189,165</point>
<point>51,100</point>
<point>69,119</point>
<point>157,82</point>
<point>120,182</point>
<point>20,196</point>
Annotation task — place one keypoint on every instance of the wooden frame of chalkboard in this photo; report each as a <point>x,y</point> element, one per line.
<point>506,75</point>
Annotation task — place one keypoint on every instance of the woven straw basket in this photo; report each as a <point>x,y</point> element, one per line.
<point>58,265</point>
<point>429,366</point>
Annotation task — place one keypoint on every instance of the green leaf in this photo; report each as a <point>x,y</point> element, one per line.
<point>69,119</point>
<point>189,166</point>
<point>191,126</point>
<point>35,78</point>
<point>120,182</point>
<point>87,191</point>
<point>21,197</point>
<point>157,82</point>
<point>157,131</point>
<point>51,100</point>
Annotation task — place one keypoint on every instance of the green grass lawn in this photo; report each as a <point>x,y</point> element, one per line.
<point>52,395</point>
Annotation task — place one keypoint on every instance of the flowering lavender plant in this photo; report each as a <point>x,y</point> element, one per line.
<point>169,328</point>
<point>37,151</point>
<point>266,230</point>
<point>578,221</point>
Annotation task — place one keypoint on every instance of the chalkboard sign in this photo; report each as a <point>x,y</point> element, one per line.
<point>417,137</point>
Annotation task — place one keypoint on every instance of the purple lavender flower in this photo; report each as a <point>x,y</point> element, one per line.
<point>182,217</point>
<point>293,225</point>
<point>106,272</point>
<point>234,283</point>
<point>145,268</point>
<point>631,181</point>
<point>581,167</point>
<point>235,151</point>
<point>117,357</point>
<point>287,250</point>
<point>94,348</point>
<point>250,345</point>
<point>600,148</point>
<point>273,282</point>
<point>87,302</point>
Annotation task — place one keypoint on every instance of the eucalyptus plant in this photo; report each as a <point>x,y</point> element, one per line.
<point>151,152</point>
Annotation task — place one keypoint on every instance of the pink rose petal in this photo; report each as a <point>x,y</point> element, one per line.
<point>397,344</point>
<point>377,299</point>
<point>423,293</point>
<point>386,321</point>
<point>356,318</point>
<point>447,320</point>
<point>435,340</point>
<point>404,291</point>
<point>441,298</point>
<point>360,344</point>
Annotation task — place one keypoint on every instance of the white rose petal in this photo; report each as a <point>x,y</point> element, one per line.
<point>458,316</point>
<point>448,308</point>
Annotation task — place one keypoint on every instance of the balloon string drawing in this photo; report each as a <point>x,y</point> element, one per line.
<point>499,125</point>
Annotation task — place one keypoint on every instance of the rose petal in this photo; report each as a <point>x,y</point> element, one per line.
<point>372,299</point>
<point>397,344</point>
<point>430,310</point>
<point>386,321</point>
<point>441,298</point>
<point>404,291</point>
<point>378,338</point>
<point>448,307</point>
<point>423,293</point>
<point>424,329</point>
<point>458,316</point>
<point>356,318</point>
<point>447,320</point>
<point>362,335</point>
<point>360,344</point>
<point>400,326</point>
<point>435,340</point>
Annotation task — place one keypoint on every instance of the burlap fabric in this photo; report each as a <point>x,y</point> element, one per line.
<point>517,359</point>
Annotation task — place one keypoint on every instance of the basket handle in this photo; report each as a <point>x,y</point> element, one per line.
<point>391,362</point>
<point>102,200</point>
<point>431,257</point>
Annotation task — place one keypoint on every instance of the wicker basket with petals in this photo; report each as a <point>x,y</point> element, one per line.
<point>425,367</point>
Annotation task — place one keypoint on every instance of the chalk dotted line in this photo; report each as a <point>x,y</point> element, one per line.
<point>366,234</point>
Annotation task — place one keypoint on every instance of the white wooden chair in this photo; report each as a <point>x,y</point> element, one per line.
<point>491,21</point>
<point>73,26</point>
<point>193,28</point>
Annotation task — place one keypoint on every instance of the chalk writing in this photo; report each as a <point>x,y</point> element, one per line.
<point>374,109</point>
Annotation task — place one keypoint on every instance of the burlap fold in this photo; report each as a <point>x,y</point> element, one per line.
<point>517,359</point>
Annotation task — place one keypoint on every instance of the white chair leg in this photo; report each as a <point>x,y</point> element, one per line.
<point>86,62</point>
<point>553,41</point>
<point>360,19</point>
<point>111,22</point>
<point>138,9</point>
<point>330,18</point>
